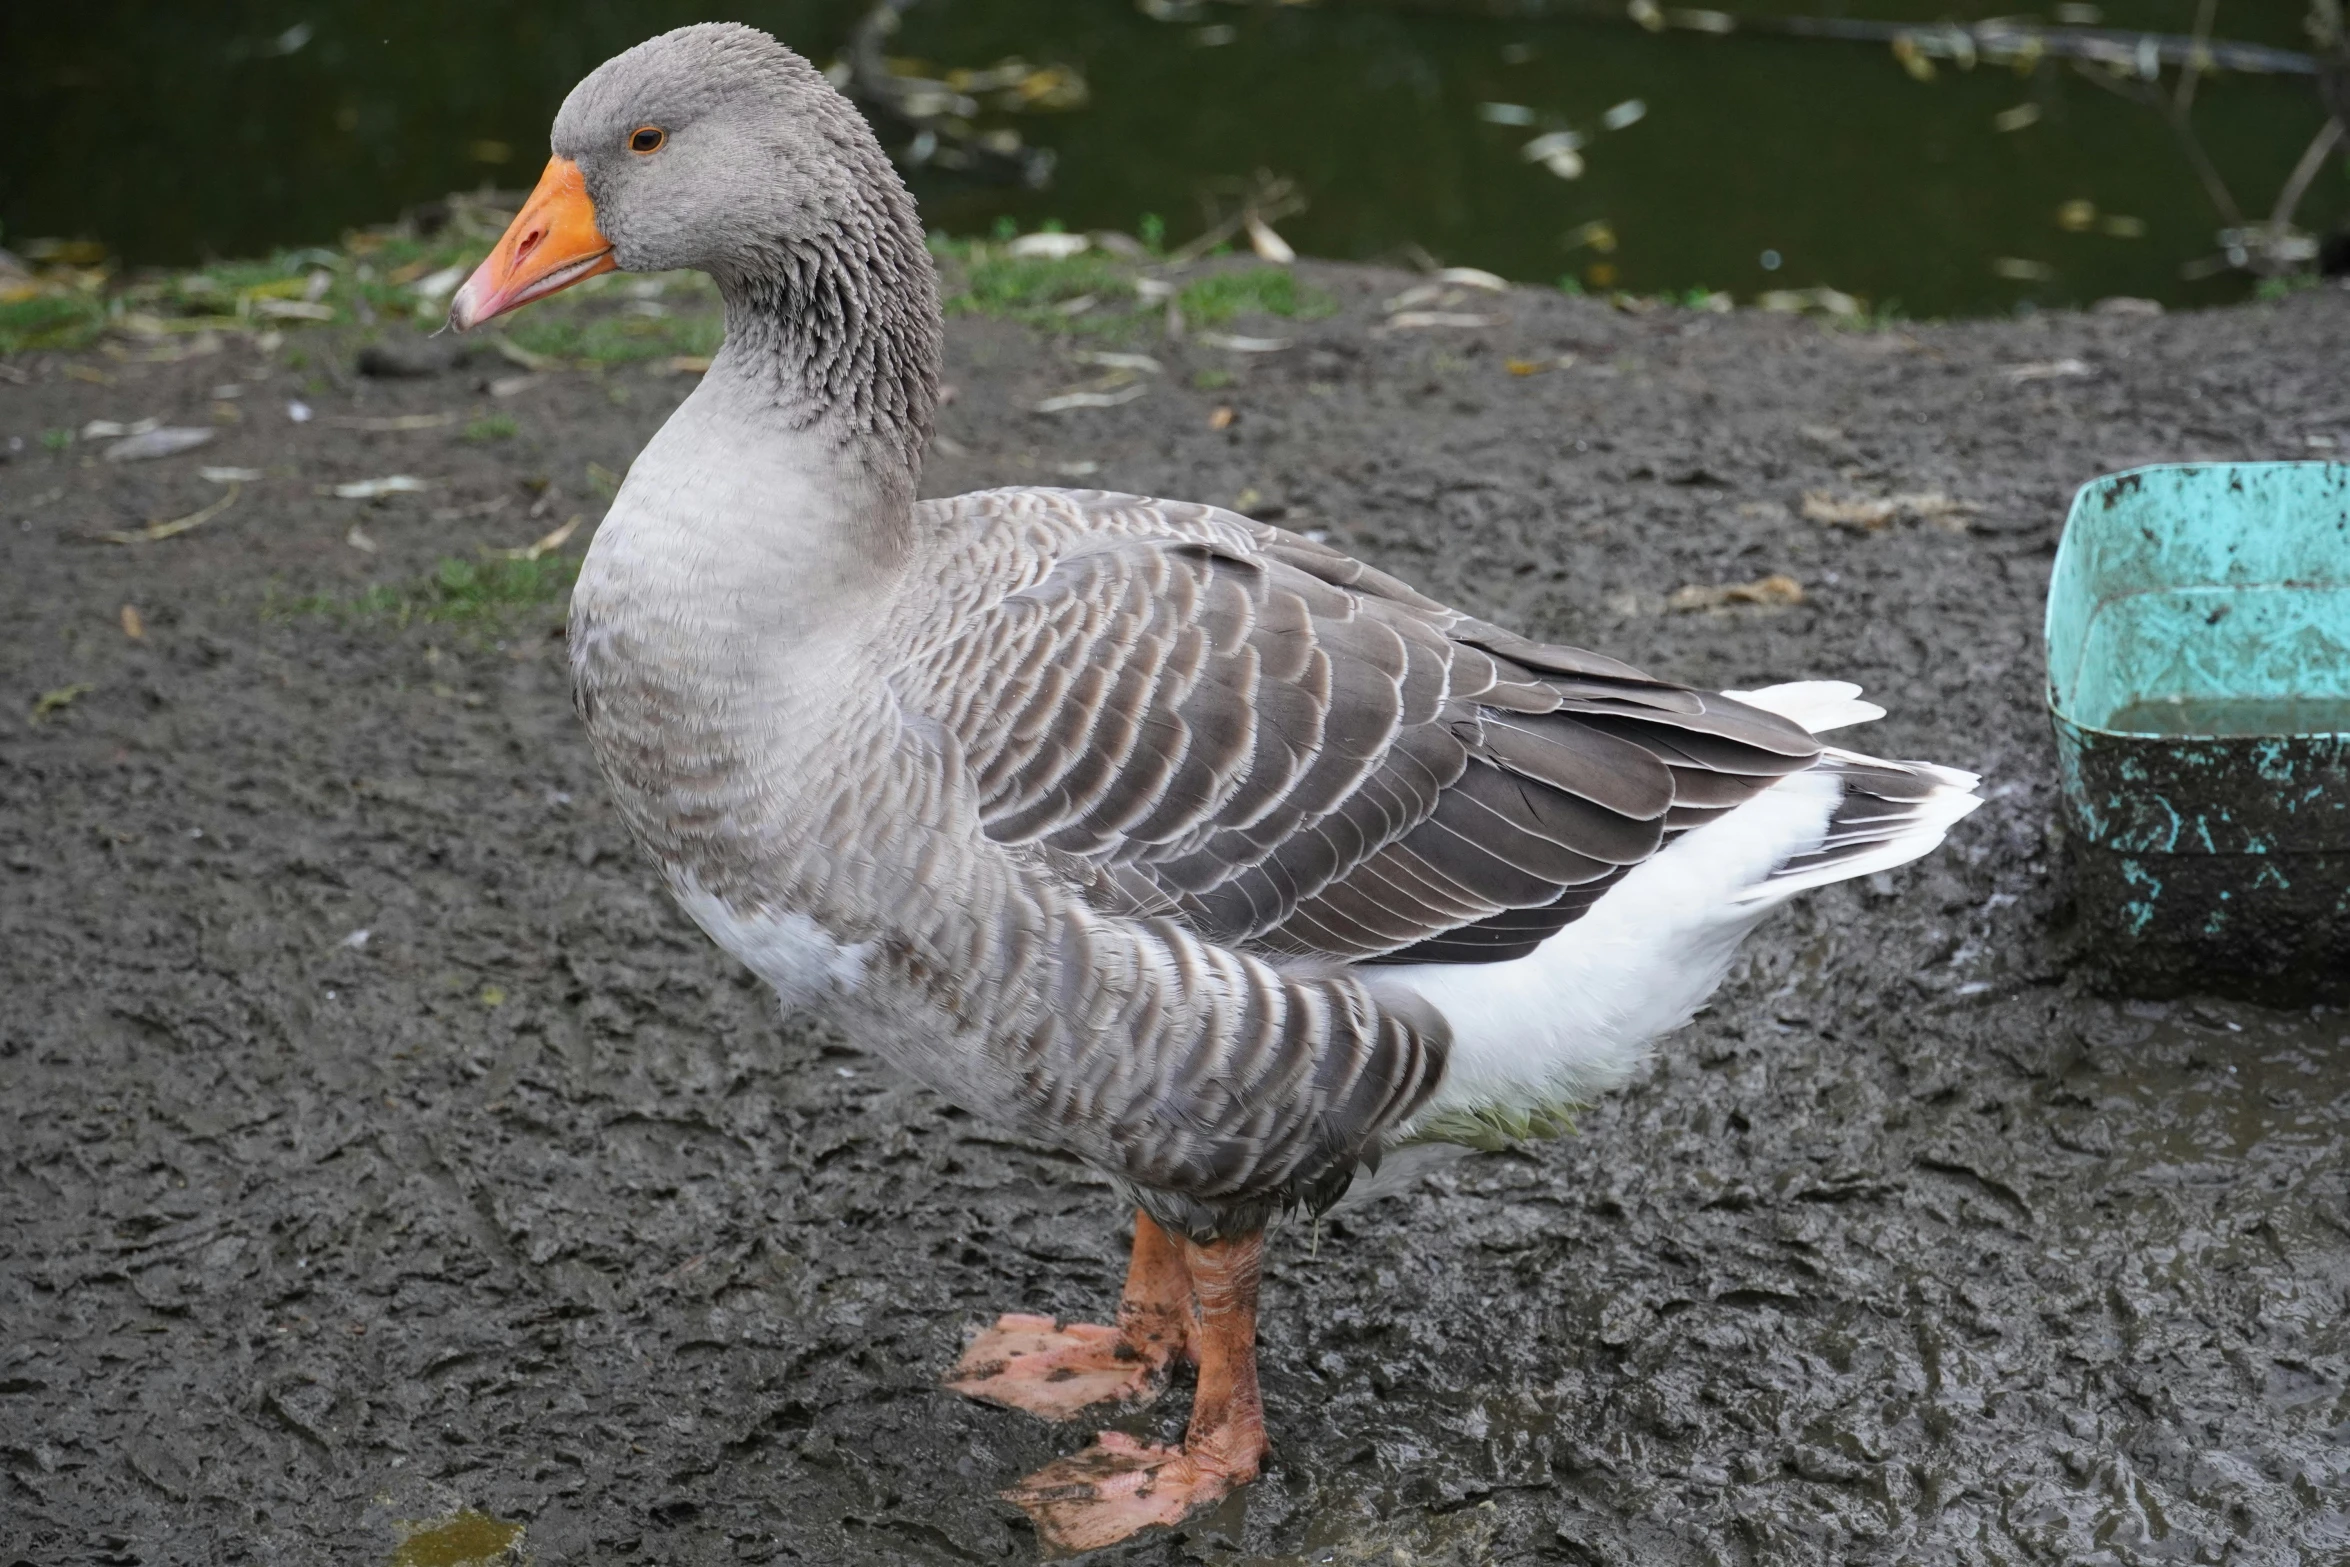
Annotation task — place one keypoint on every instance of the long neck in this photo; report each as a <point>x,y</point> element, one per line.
<point>835,342</point>
<point>775,509</point>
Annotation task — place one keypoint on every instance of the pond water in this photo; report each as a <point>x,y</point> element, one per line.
<point>173,133</point>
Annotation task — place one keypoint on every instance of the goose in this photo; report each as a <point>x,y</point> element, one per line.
<point>1229,864</point>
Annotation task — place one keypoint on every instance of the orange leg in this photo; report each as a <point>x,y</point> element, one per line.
<point>1036,1364</point>
<point>1119,1486</point>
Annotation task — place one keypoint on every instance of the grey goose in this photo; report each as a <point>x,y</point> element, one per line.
<point>1227,863</point>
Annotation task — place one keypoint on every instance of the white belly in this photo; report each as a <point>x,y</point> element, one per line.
<point>803,961</point>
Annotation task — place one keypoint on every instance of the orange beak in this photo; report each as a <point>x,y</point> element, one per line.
<point>551,244</point>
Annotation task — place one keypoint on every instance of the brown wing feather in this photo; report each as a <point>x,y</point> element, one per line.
<point>1291,752</point>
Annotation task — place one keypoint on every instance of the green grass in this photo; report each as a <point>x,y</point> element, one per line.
<point>370,280</point>
<point>51,321</point>
<point>1028,288</point>
<point>492,427</point>
<point>978,278</point>
<point>2271,289</point>
<point>485,593</point>
<point>1270,291</point>
<point>567,330</point>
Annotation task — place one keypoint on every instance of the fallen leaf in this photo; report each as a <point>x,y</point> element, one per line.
<point>1795,301</point>
<point>178,525</point>
<point>1776,591</point>
<point>1410,320</point>
<point>1143,363</point>
<point>393,422</point>
<point>1875,513</point>
<point>60,699</point>
<point>1864,514</point>
<point>1242,345</point>
<point>376,489</point>
<point>1048,247</point>
<point>2048,370</point>
<point>1268,245</point>
<point>229,475</point>
<point>1912,58</point>
<point>357,537</point>
<point>1538,366</point>
<point>163,441</point>
<point>1558,151</point>
<point>134,625</point>
<point>1473,277</point>
<point>1599,234</point>
<point>1221,419</point>
<point>1068,400</point>
<point>552,541</point>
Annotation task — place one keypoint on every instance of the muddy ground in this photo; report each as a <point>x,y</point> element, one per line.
<point>1912,1249</point>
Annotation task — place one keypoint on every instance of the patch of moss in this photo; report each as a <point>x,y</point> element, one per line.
<point>1271,291</point>
<point>58,320</point>
<point>491,427</point>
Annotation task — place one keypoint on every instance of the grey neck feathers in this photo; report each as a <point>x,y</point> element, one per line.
<point>839,334</point>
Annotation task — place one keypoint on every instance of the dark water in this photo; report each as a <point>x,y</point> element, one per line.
<point>2234,716</point>
<point>177,131</point>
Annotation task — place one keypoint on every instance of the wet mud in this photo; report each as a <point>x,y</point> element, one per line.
<point>523,1208</point>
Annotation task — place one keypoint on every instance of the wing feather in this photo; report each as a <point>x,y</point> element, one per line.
<point>1290,752</point>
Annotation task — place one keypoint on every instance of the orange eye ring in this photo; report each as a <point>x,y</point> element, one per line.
<point>647,138</point>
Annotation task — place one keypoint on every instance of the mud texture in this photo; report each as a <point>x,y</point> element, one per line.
<point>1911,1249</point>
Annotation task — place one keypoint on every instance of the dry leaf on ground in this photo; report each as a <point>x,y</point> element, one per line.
<point>1876,513</point>
<point>177,525</point>
<point>1776,591</point>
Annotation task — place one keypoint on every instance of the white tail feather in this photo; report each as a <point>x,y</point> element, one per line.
<point>1818,705</point>
<point>1572,1018</point>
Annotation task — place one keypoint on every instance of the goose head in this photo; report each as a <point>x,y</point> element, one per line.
<point>712,147</point>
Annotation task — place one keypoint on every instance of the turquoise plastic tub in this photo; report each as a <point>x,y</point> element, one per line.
<point>2199,680</point>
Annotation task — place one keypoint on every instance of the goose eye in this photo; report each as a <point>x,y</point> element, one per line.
<point>647,138</point>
